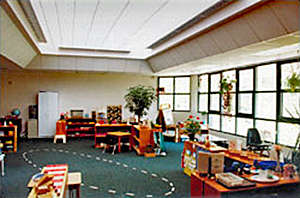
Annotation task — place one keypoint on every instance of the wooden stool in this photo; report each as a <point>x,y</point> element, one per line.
<point>63,137</point>
<point>74,181</point>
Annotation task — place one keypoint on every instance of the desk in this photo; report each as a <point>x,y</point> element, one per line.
<point>102,129</point>
<point>204,187</point>
<point>60,172</point>
<point>190,155</point>
<point>120,135</point>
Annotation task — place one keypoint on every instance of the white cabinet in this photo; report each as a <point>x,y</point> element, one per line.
<point>47,113</point>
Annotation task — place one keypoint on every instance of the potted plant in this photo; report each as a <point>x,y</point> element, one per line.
<point>139,99</point>
<point>192,125</point>
<point>226,86</point>
<point>293,81</point>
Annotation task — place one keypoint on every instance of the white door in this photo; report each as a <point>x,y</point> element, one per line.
<point>47,113</point>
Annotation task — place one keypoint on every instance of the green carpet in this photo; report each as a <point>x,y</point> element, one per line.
<point>104,175</point>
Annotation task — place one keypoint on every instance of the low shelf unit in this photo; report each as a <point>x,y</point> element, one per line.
<point>102,129</point>
<point>80,127</point>
<point>8,137</point>
<point>142,137</point>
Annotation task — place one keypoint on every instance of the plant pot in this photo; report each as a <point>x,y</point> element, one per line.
<point>191,136</point>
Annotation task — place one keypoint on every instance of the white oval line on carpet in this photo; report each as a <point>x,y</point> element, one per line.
<point>110,161</point>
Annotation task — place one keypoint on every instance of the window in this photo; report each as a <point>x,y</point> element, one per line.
<point>267,130</point>
<point>203,93</point>
<point>265,105</point>
<point>176,92</point>
<point>228,124</point>
<point>286,70</point>
<point>266,78</point>
<point>245,93</point>
<point>287,133</point>
<point>214,96</point>
<point>215,102</point>
<point>243,124</point>
<point>214,121</point>
<point>260,98</point>
<point>245,103</point>
<point>246,80</point>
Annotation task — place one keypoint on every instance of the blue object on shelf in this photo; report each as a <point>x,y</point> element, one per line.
<point>268,164</point>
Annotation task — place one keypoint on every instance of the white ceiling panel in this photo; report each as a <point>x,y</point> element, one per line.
<point>85,12</point>
<point>264,19</point>
<point>49,13</point>
<point>66,18</point>
<point>287,10</point>
<point>208,45</point>
<point>241,32</point>
<point>105,19</point>
<point>223,39</point>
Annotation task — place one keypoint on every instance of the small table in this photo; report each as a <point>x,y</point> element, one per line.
<point>120,135</point>
<point>74,182</point>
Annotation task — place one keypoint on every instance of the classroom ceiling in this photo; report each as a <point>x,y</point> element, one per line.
<point>117,28</point>
<point>174,37</point>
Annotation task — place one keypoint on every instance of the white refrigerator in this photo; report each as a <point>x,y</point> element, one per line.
<point>47,113</point>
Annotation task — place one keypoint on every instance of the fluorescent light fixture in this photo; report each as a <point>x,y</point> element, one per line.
<point>79,48</point>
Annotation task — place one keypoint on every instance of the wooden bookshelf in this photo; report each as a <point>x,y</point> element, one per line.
<point>80,127</point>
<point>8,137</point>
<point>142,136</point>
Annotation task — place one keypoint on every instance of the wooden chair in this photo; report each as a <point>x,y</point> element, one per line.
<point>61,132</point>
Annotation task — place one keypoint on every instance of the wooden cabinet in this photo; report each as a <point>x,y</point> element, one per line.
<point>15,121</point>
<point>8,137</point>
<point>142,136</point>
<point>80,127</point>
<point>102,129</point>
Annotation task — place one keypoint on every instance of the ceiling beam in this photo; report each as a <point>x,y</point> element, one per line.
<point>33,21</point>
<point>4,4</point>
<point>203,15</point>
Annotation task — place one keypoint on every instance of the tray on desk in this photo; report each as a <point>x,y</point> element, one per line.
<point>232,181</point>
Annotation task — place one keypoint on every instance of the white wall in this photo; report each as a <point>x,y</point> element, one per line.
<point>88,91</point>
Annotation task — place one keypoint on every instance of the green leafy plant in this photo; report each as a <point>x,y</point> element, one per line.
<point>139,99</point>
<point>226,86</point>
<point>293,81</point>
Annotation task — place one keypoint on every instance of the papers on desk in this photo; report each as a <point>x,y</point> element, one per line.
<point>231,180</point>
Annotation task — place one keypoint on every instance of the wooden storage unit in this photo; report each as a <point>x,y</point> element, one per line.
<point>8,136</point>
<point>102,129</point>
<point>80,127</point>
<point>15,121</point>
<point>142,136</point>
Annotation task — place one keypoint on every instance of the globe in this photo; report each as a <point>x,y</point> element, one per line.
<point>16,112</point>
